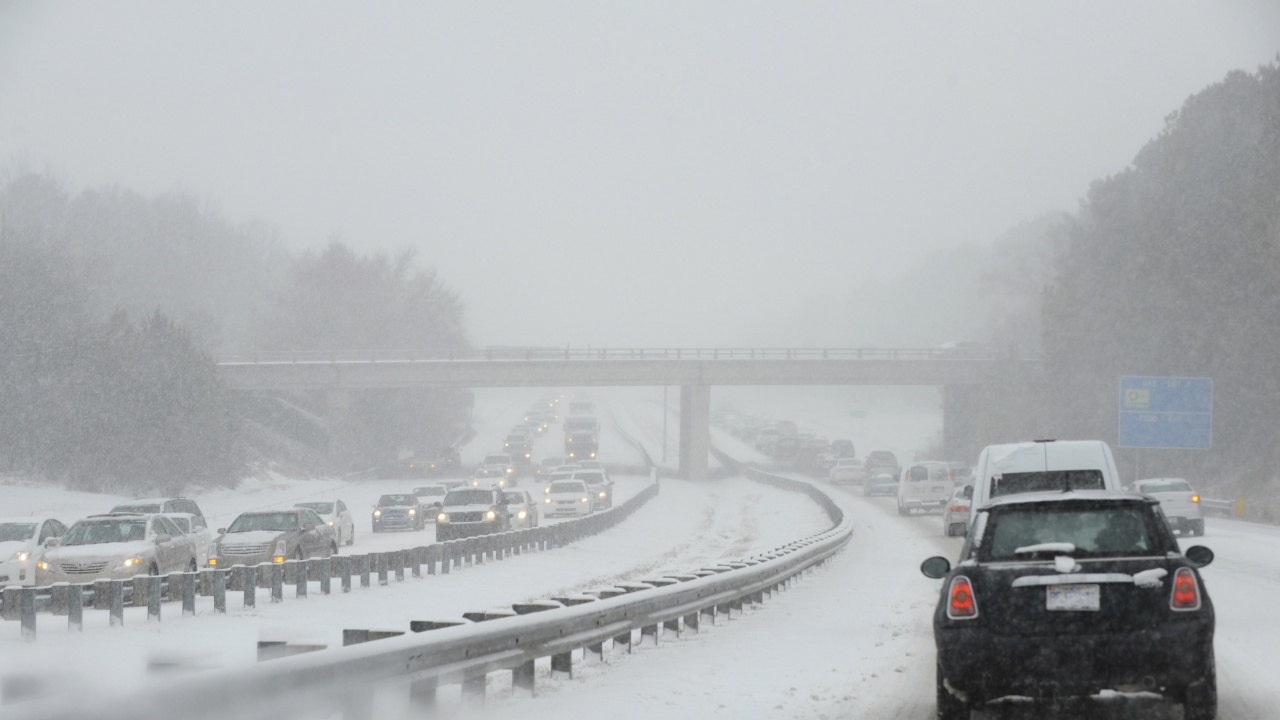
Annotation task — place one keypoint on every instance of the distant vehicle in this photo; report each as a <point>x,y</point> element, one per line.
<point>398,511</point>
<point>880,483</point>
<point>336,515</point>
<point>961,473</point>
<point>22,547</point>
<point>490,476</point>
<point>786,447</point>
<point>451,484</point>
<point>118,547</point>
<point>1042,465</point>
<point>567,497</point>
<point>151,506</point>
<point>581,445</point>
<point>1179,503</point>
<point>431,498</point>
<point>201,535</point>
<point>812,453</point>
<point>1068,594</point>
<point>765,439</point>
<point>955,516</point>
<point>847,470</point>
<point>924,486</point>
<point>521,452</point>
<point>882,460</point>
<point>503,460</point>
<point>786,428</point>
<point>842,448</point>
<point>599,486</point>
<point>468,512</point>
<point>548,464</point>
<point>581,407</point>
<point>273,536</point>
<point>581,423</point>
<point>522,508</point>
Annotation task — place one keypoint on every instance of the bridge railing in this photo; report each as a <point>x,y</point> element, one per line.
<point>493,354</point>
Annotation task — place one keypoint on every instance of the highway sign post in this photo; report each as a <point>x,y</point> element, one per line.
<point>1166,412</point>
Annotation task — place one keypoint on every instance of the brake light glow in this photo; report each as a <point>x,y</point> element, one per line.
<point>963,605</point>
<point>1186,591</point>
<point>1195,498</point>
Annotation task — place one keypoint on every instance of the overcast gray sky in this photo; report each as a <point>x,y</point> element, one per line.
<point>616,174</point>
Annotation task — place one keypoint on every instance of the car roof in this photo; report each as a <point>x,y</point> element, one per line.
<point>151,501</point>
<point>1058,496</point>
<point>25,520</point>
<point>179,514</point>
<point>119,515</point>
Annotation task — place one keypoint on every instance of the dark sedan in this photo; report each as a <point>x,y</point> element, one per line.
<point>399,512</point>
<point>1059,596</point>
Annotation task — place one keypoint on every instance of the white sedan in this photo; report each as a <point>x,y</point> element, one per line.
<point>22,546</point>
<point>1179,503</point>
<point>336,515</point>
<point>199,533</point>
<point>567,497</point>
<point>847,470</point>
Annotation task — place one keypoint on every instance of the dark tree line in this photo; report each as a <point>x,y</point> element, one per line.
<point>1172,267</point>
<point>113,304</point>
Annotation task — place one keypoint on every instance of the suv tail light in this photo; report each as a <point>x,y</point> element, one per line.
<point>1186,591</point>
<point>962,605</point>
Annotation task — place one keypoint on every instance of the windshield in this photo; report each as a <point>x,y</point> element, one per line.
<point>515,498</point>
<point>141,509</point>
<point>322,508</point>
<point>1116,530</point>
<point>96,532</point>
<point>591,478</point>
<point>397,500</point>
<point>14,532</point>
<point>468,497</point>
<point>273,521</point>
<point>1038,481</point>
<point>1165,486</point>
<point>184,524</point>
<point>568,487</point>
<point>430,491</point>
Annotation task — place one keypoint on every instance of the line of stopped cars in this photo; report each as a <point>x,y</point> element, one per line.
<point>1071,590</point>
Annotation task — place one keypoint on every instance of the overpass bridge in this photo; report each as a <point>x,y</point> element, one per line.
<point>695,370</point>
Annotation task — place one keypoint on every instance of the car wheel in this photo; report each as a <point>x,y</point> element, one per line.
<point>297,554</point>
<point>351,539</point>
<point>950,707</point>
<point>333,548</point>
<point>1197,528</point>
<point>153,570</point>
<point>1201,699</point>
<point>191,566</point>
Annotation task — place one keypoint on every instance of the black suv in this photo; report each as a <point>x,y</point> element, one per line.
<point>1061,595</point>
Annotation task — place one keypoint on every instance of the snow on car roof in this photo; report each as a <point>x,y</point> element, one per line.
<point>1068,496</point>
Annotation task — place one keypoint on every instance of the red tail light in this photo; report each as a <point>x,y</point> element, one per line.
<point>1186,591</point>
<point>962,605</point>
<point>1195,498</point>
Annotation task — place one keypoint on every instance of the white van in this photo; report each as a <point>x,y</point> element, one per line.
<point>924,485</point>
<point>1042,465</point>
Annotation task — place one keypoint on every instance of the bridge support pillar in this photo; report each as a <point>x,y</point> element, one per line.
<point>695,431</point>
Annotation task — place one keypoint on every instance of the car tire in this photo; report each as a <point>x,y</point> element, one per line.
<point>297,553</point>
<point>1200,700</point>
<point>153,570</point>
<point>351,539</point>
<point>1197,528</point>
<point>333,549</point>
<point>191,566</point>
<point>950,707</point>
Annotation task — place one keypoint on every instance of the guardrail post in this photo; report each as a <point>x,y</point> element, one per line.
<point>75,609</point>
<point>346,573</point>
<point>189,592</point>
<point>650,632</point>
<point>623,640</point>
<point>173,586</point>
<point>220,591</point>
<point>277,582</point>
<point>691,622</point>
<point>365,562</point>
<point>671,628</point>
<point>153,598</point>
<point>115,602</point>
<point>27,608</point>
<point>206,582</point>
<point>322,568</point>
<point>446,557</point>
<point>483,548</point>
<point>562,665</point>
<point>58,598</point>
<point>429,555</point>
<point>415,561</point>
<point>382,567</point>
<point>249,581</point>
<point>724,609</point>
<point>398,563</point>
<point>101,590</point>
<point>139,597</point>
<point>12,610</point>
<point>300,578</point>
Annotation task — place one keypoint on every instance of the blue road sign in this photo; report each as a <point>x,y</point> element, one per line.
<point>1166,412</point>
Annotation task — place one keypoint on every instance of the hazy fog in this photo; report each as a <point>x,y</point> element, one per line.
<point>606,174</point>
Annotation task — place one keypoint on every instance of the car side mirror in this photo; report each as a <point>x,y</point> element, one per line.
<point>935,567</point>
<point>968,492</point>
<point>52,542</point>
<point>222,531</point>
<point>1199,554</point>
<point>163,538</point>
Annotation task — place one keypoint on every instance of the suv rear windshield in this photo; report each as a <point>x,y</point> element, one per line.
<point>1045,480</point>
<point>1165,486</point>
<point>1110,530</point>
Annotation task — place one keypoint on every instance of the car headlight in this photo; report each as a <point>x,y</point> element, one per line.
<point>511,471</point>
<point>442,517</point>
<point>586,499</point>
<point>412,511</point>
<point>546,489</point>
<point>523,514</point>
<point>491,515</point>
<point>377,513</point>
<point>130,562</point>
<point>547,501</point>
<point>21,556</point>
<point>329,523</point>
<point>42,565</point>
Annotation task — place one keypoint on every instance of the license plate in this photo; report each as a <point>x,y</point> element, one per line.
<point>1072,597</point>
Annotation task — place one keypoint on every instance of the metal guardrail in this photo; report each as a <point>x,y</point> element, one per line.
<point>1224,507</point>
<point>435,654</point>
<point>600,354</point>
